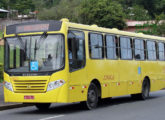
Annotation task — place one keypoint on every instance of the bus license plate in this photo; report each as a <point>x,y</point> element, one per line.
<point>29,97</point>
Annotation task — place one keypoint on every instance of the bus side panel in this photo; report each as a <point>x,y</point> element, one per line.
<point>96,71</point>
<point>161,74</point>
<point>129,77</point>
<point>111,75</point>
<point>77,87</point>
<point>150,69</point>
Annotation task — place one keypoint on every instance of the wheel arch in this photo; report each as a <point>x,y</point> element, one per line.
<point>148,80</point>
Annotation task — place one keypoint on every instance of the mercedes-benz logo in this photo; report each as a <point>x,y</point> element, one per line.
<point>28,87</point>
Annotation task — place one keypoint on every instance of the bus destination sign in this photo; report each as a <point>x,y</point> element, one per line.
<point>29,28</point>
<point>36,26</point>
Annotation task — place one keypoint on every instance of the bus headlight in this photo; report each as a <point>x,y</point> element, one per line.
<point>55,84</point>
<point>8,85</point>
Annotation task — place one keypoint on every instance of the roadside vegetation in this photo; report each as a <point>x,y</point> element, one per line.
<point>1,73</point>
<point>1,33</point>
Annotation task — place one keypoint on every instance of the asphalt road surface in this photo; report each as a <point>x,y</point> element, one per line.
<point>1,94</point>
<point>119,108</point>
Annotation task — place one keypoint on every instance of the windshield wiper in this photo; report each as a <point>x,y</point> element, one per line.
<point>39,42</point>
<point>21,42</point>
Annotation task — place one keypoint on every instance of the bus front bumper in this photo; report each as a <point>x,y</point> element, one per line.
<point>58,95</point>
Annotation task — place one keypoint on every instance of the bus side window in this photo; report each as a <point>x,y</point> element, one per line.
<point>125,48</point>
<point>111,47</point>
<point>96,49</point>
<point>151,50</point>
<point>161,54</point>
<point>76,50</point>
<point>139,49</point>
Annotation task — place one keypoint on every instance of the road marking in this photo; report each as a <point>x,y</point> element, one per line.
<point>48,118</point>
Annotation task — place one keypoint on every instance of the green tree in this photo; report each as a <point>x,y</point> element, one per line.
<point>161,29</point>
<point>160,6</point>
<point>24,6</point>
<point>40,4</point>
<point>65,9</point>
<point>157,27</point>
<point>153,6</point>
<point>104,13</point>
<point>135,13</point>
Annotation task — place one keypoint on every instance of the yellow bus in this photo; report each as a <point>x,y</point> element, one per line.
<point>62,62</point>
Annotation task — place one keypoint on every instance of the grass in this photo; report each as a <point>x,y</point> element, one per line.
<point>1,34</point>
<point>1,80</point>
<point>1,54</point>
<point>1,73</point>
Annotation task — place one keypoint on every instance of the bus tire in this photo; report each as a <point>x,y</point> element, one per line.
<point>145,90</point>
<point>92,98</point>
<point>42,106</point>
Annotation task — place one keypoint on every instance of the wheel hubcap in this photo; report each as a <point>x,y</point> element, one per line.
<point>92,96</point>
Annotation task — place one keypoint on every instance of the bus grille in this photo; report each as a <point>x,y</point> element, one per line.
<point>29,86</point>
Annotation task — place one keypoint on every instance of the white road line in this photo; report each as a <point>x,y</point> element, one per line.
<point>48,118</point>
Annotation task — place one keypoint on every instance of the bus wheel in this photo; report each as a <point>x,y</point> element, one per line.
<point>145,90</point>
<point>92,98</point>
<point>42,106</point>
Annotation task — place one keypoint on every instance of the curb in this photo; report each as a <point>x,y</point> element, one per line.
<point>6,107</point>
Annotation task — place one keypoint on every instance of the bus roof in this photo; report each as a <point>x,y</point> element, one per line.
<point>52,25</point>
<point>115,31</point>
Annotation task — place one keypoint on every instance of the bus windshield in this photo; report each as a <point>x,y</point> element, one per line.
<point>37,53</point>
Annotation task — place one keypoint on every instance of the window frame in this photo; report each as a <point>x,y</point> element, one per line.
<point>144,44</point>
<point>103,45</point>
<point>158,58</point>
<point>31,73</point>
<point>152,50</point>
<point>84,50</point>
<point>131,42</point>
<point>117,47</point>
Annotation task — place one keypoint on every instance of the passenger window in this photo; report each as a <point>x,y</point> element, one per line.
<point>161,51</point>
<point>111,47</point>
<point>96,46</point>
<point>126,48</point>
<point>76,49</point>
<point>151,50</point>
<point>139,49</point>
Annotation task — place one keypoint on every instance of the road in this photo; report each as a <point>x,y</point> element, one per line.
<point>119,108</point>
<point>1,94</point>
